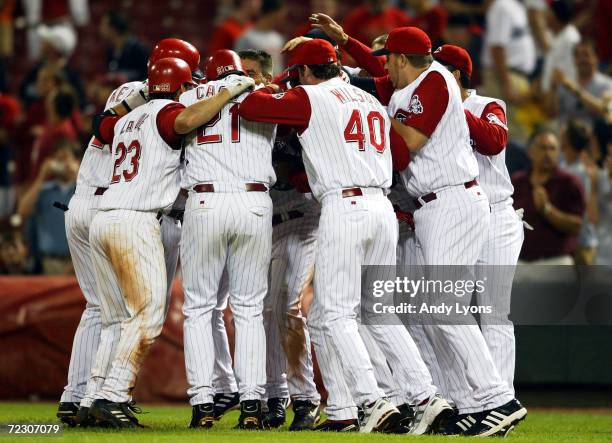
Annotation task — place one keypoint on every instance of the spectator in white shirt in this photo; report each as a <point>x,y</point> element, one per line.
<point>263,35</point>
<point>561,53</point>
<point>509,58</point>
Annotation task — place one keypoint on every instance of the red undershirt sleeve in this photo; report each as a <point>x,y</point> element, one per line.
<point>288,108</point>
<point>107,128</point>
<point>488,132</point>
<point>428,104</point>
<point>399,151</point>
<point>165,124</point>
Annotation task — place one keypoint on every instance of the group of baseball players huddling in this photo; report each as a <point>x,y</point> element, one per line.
<point>189,162</point>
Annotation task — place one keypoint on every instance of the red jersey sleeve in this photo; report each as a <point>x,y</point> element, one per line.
<point>364,59</point>
<point>288,108</point>
<point>384,89</point>
<point>399,151</point>
<point>428,104</point>
<point>165,124</point>
<point>488,132</point>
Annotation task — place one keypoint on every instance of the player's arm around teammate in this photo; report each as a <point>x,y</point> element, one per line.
<point>125,234</point>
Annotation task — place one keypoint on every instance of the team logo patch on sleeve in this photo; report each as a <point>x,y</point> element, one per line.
<point>278,95</point>
<point>494,119</point>
<point>401,116</point>
<point>415,105</point>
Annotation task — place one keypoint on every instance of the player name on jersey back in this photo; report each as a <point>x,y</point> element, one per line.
<point>145,174</point>
<point>346,143</point>
<point>227,150</point>
<point>96,165</point>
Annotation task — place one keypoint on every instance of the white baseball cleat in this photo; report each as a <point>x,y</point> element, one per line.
<point>428,414</point>
<point>379,416</point>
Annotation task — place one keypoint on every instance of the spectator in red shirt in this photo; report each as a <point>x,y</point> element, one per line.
<point>430,18</point>
<point>227,32</point>
<point>374,18</point>
<point>554,203</point>
<point>59,126</point>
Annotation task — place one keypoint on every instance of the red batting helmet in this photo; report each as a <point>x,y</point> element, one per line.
<point>174,47</point>
<point>222,63</point>
<point>168,75</point>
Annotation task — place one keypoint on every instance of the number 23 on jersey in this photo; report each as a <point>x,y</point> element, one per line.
<point>126,162</point>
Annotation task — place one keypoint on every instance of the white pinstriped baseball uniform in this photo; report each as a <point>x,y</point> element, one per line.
<point>354,231</point>
<point>408,259</point>
<point>94,173</point>
<point>289,365</point>
<point>499,255</point>
<point>228,228</point>
<point>127,249</point>
<point>451,229</point>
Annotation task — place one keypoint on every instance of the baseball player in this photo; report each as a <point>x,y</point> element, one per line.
<point>500,248</point>
<point>348,170</point>
<point>92,182</point>
<point>486,119</point>
<point>125,234</point>
<point>227,224</point>
<point>452,216</point>
<point>295,218</point>
<point>407,247</point>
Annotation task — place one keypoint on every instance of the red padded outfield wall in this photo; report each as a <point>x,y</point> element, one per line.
<point>38,318</point>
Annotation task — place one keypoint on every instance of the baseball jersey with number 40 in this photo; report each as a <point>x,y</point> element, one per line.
<point>343,130</point>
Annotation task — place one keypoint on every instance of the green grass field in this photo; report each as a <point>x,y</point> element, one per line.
<point>168,424</point>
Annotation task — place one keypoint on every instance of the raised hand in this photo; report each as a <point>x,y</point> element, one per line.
<point>330,27</point>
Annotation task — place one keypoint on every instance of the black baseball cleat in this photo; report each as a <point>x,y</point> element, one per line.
<point>224,403</point>
<point>404,423</point>
<point>459,424</point>
<point>306,415</point>
<point>84,419</point>
<point>202,415</point>
<point>67,413</point>
<point>251,417</point>
<point>276,416</point>
<point>498,420</point>
<point>338,426</point>
<point>114,415</point>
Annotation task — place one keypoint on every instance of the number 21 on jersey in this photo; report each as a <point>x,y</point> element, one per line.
<point>206,137</point>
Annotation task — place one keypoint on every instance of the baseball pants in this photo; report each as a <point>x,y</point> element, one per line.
<point>290,372</point>
<point>81,211</point>
<point>340,404</point>
<point>232,230</point>
<point>354,232</point>
<point>224,380</point>
<point>451,230</point>
<point>127,251</point>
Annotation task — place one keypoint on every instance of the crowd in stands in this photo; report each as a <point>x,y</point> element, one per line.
<point>549,60</point>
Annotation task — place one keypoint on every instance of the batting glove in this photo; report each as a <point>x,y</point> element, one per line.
<point>240,85</point>
<point>137,98</point>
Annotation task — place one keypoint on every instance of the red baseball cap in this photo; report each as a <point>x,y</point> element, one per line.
<point>455,56</point>
<point>406,40</point>
<point>313,52</point>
